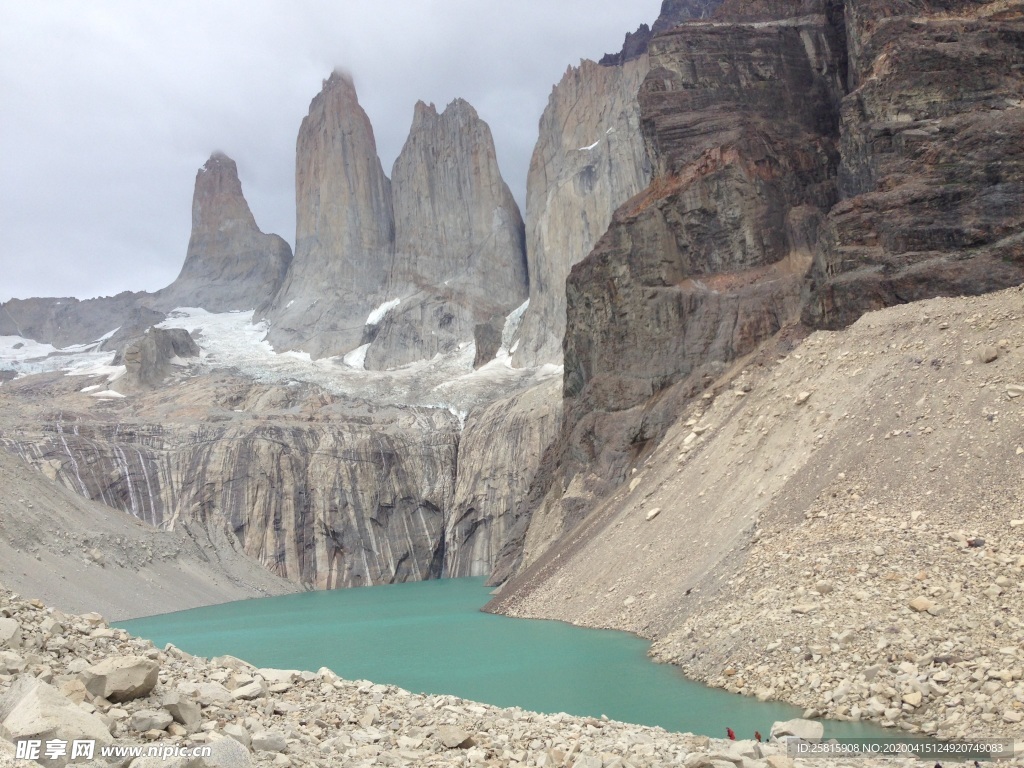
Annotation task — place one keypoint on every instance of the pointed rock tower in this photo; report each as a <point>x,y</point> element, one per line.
<point>589,159</point>
<point>344,229</point>
<point>459,238</point>
<point>230,263</point>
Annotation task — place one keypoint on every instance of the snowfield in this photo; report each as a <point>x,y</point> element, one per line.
<point>232,340</point>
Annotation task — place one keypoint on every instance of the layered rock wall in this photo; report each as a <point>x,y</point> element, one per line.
<point>316,491</point>
<point>708,262</point>
<point>327,491</point>
<point>932,173</point>
<point>500,453</point>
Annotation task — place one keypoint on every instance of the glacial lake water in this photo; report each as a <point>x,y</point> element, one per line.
<point>431,637</point>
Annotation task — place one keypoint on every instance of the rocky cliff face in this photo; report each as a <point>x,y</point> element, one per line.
<point>152,357</point>
<point>230,263</point>
<point>932,172</point>
<point>673,13</point>
<point>500,453</point>
<point>324,490</point>
<point>408,266</point>
<point>709,261</point>
<point>459,251</point>
<point>811,159</point>
<point>66,321</point>
<point>321,491</point>
<point>589,159</point>
<point>344,229</point>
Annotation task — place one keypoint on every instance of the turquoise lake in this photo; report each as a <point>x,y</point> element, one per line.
<point>430,637</point>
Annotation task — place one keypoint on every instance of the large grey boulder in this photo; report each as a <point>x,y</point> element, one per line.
<point>32,709</point>
<point>269,741</point>
<point>123,678</point>
<point>807,730</point>
<point>226,753</point>
<point>183,710</point>
<point>153,356</point>
<point>10,633</point>
<point>151,720</point>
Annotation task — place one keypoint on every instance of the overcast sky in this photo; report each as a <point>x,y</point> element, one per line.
<point>109,107</point>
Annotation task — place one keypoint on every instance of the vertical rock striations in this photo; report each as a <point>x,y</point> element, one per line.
<point>344,229</point>
<point>322,491</point>
<point>500,452</point>
<point>588,160</point>
<point>230,263</point>
<point>459,250</point>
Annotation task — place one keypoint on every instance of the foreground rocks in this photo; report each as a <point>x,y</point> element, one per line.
<point>251,716</point>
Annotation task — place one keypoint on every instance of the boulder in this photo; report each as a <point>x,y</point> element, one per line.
<point>212,693</point>
<point>10,633</point>
<point>250,691</point>
<point>238,733</point>
<point>807,730</point>
<point>225,753</point>
<point>269,741</point>
<point>183,710</point>
<point>151,720</point>
<point>121,678</point>
<point>32,709</point>
<point>452,736</point>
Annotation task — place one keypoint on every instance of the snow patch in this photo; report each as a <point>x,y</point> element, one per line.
<point>590,147</point>
<point>107,394</point>
<point>356,358</point>
<point>27,357</point>
<point>378,314</point>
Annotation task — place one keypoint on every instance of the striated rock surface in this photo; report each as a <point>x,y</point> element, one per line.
<point>354,498</point>
<point>459,249</point>
<point>333,504</point>
<point>588,160</point>
<point>230,263</point>
<point>500,452</point>
<point>932,171</point>
<point>344,229</point>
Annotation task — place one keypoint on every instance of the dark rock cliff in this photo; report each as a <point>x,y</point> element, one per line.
<point>673,13</point>
<point>932,172</point>
<point>811,159</point>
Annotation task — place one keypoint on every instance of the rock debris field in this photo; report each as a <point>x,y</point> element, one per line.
<point>73,677</point>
